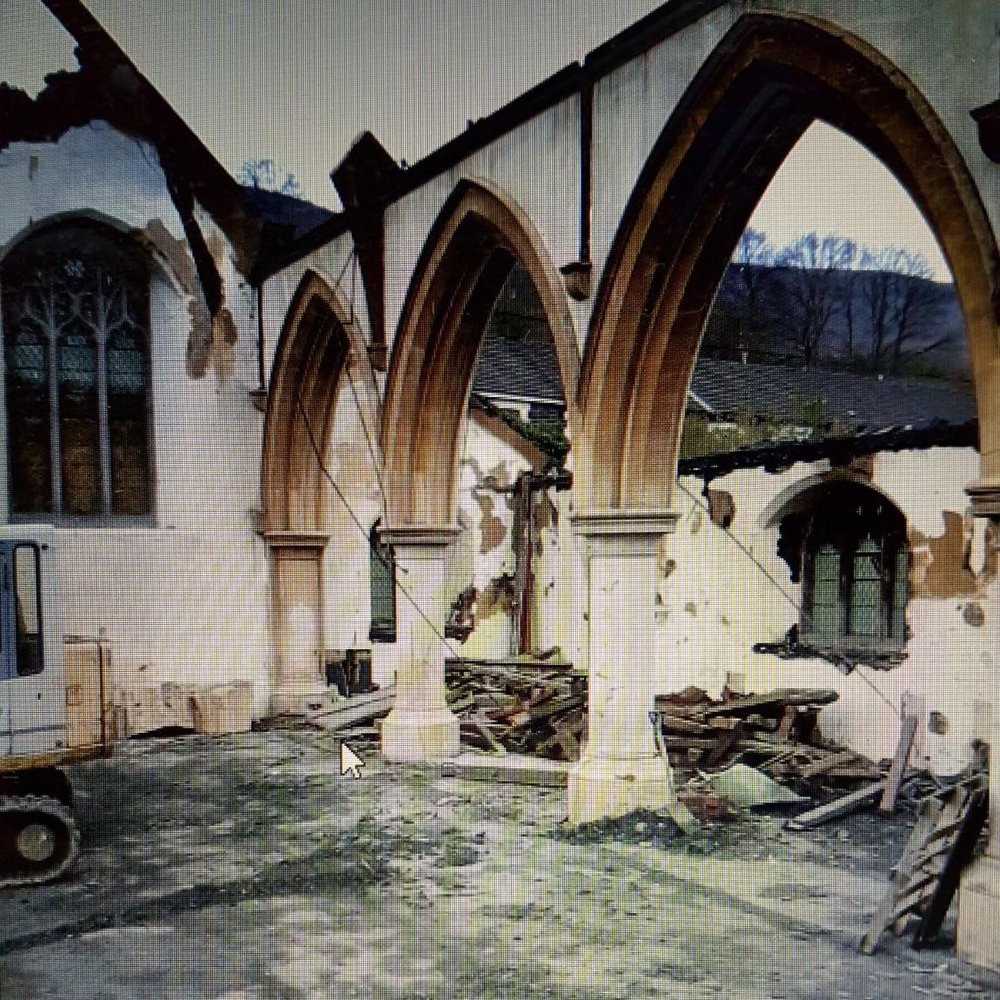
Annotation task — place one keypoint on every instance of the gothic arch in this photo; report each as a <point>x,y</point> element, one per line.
<point>767,81</point>
<point>478,235</point>
<point>317,341</point>
<point>797,495</point>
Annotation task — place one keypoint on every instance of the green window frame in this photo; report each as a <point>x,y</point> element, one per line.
<point>382,575</point>
<point>855,566</point>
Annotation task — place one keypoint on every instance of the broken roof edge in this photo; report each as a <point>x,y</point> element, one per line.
<point>776,456</point>
<point>660,24</point>
<point>116,91</point>
<point>522,428</point>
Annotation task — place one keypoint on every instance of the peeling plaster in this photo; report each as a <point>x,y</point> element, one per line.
<point>942,564</point>
<point>492,530</point>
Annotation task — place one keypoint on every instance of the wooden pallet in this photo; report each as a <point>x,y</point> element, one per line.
<point>927,875</point>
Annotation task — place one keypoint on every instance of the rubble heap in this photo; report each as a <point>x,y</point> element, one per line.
<point>778,733</point>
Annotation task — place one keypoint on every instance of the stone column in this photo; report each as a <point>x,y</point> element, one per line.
<point>621,769</point>
<point>299,681</point>
<point>978,936</point>
<point>420,726</point>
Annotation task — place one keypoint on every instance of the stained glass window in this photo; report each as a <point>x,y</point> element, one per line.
<point>76,346</point>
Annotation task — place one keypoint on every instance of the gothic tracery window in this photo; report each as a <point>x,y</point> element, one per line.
<point>854,572</point>
<point>76,349</point>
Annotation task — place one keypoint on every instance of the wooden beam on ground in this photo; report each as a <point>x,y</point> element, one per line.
<point>360,708</point>
<point>897,769</point>
<point>838,807</point>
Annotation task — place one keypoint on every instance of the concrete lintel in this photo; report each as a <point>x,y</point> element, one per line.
<point>419,535</point>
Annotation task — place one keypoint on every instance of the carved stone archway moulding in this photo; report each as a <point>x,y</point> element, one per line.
<point>317,341</point>
<point>768,80</point>
<point>478,235</point>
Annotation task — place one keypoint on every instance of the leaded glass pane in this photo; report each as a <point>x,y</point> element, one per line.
<point>868,612</point>
<point>28,435</point>
<point>127,425</point>
<point>826,603</point>
<point>77,287</point>
<point>78,425</point>
<point>383,593</point>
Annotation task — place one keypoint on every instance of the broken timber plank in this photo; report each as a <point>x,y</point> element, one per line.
<point>894,778</point>
<point>828,763</point>
<point>838,807</point>
<point>937,907</point>
<point>773,699</point>
<point>360,708</point>
<point>483,728</point>
<point>928,871</point>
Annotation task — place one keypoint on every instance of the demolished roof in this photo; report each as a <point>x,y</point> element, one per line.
<point>518,369</point>
<point>285,217</point>
<point>108,87</point>
<point>856,401</point>
<point>861,414</point>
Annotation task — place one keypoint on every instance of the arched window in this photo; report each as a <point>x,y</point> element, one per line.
<point>76,348</point>
<point>854,563</point>
<point>382,573</point>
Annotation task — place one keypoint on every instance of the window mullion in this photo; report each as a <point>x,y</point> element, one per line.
<point>55,444</point>
<point>103,428</point>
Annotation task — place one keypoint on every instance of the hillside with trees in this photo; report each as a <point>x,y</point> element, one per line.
<point>824,301</point>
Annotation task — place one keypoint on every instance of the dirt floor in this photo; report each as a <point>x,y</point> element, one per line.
<point>242,868</point>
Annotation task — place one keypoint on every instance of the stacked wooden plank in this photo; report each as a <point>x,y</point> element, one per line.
<point>776,732</point>
<point>521,705</point>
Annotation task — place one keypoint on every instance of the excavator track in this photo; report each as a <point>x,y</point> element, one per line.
<point>39,839</point>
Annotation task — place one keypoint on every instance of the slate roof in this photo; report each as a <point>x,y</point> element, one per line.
<point>865,403</point>
<point>523,369</point>
<point>527,369</point>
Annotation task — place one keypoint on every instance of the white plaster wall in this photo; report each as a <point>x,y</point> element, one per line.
<point>716,603</point>
<point>185,599</point>
<point>92,168</point>
<point>557,613</point>
<point>536,164</point>
<point>632,106</point>
<point>346,572</point>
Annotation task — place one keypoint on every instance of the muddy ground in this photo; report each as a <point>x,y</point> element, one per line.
<point>243,868</point>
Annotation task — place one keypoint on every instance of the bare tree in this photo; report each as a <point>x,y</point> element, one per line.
<point>263,175</point>
<point>813,295</point>
<point>738,326</point>
<point>900,304</point>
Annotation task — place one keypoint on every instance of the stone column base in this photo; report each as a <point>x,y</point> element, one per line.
<point>978,937</point>
<point>301,699</point>
<point>604,787</point>
<point>412,735</point>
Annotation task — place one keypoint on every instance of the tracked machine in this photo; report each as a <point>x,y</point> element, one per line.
<point>53,711</point>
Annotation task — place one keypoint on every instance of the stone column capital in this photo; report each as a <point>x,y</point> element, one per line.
<point>419,536</point>
<point>298,540</point>
<point>985,497</point>
<point>624,532</point>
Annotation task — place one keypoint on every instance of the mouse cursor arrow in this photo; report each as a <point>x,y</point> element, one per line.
<point>350,762</point>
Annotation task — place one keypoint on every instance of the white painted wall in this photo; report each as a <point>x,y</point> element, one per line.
<point>717,603</point>
<point>187,598</point>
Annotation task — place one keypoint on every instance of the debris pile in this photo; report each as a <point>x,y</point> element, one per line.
<point>524,705</point>
<point>776,732</point>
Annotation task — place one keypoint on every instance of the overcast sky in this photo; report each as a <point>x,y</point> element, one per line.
<point>297,80</point>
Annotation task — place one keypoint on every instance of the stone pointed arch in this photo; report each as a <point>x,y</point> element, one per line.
<point>318,340</point>
<point>316,349</point>
<point>478,235</point>
<point>766,82</point>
